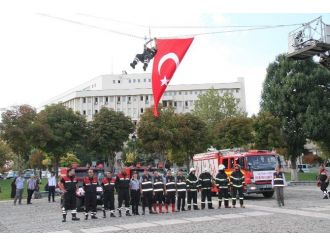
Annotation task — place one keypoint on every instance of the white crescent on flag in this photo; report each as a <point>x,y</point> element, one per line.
<point>170,55</point>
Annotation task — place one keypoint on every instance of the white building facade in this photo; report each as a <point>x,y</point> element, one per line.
<point>132,94</point>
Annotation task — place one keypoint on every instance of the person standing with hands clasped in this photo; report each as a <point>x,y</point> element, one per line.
<point>278,184</point>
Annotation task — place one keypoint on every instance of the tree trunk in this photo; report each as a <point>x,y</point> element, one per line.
<point>294,174</point>
<point>110,164</point>
<point>57,160</point>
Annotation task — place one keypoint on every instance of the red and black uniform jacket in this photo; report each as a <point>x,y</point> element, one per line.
<point>70,184</point>
<point>108,185</point>
<point>122,182</point>
<point>90,184</point>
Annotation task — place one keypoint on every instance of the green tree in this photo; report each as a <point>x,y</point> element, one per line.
<point>62,131</point>
<point>190,137</point>
<point>36,158</point>
<point>156,134</point>
<point>69,159</point>
<point>6,154</point>
<point>233,132</point>
<point>16,130</point>
<point>267,131</point>
<point>109,131</point>
<point>211,107</point>
<point>289,88</point>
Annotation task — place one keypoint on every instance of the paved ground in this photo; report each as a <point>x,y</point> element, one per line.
<point>305,211</point>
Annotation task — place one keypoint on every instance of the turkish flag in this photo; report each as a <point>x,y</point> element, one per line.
<point>170,53</point>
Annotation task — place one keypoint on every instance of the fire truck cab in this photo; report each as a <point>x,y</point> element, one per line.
<point>257,166</point>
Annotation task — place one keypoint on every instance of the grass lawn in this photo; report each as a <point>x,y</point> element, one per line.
<point>311,176</point>
<point>5,186</point>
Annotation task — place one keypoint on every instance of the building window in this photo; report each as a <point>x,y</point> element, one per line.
<point>118,81</point>
<point>129,80</point>
<point>144,80</point>
<point>186,104</point>
<point>141,98</point>
<point>106,100</point>
<point>134,98</point>
<point>89,100</point>
<point>185,93</point>
<point>138,80</point>
<point>118,99</point>
<point>96,111</point>
<point>84,112</point>
<point>179,93</point>
<point>164,103</point>
<point>174,93</point>
<point>96,101</point>
<point>114,81</point>
<point>134,80</point>
<point>237,90</point>
<point>141,110</point>
<point>84,100</point>
<point>129,99</point>
<point>195,92</point>
<point>149,80</point>
<point>175,104</point>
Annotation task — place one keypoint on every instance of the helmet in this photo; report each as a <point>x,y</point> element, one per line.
<point>221,167</point>
<point>192,169</point>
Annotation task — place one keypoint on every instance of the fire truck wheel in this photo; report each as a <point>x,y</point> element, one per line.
<point>268,194</point>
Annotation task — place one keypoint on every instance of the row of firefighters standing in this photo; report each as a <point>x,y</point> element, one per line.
<point>152,189</point>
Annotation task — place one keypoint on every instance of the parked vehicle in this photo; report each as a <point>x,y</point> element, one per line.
<point>28,173</point>
<point>45,174</point>
<point>257,166</point>
<point>303,168</point>
<point>12,174</point>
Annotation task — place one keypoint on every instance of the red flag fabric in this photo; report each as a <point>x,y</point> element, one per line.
<point>170,53</point>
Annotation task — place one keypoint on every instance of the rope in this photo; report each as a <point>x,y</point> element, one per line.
<point>233,31</point>
<point>243,28</point>
<point>91,26</point>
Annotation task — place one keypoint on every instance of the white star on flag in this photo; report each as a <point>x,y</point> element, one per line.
<point>164,81</point>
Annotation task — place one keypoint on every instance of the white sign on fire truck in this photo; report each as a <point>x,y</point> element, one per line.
<point>263,175</point>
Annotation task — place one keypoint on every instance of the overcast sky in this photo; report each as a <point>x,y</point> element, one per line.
<point>41,57</point>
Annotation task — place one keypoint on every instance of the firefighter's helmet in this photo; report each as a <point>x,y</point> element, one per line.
<point>221,167</point>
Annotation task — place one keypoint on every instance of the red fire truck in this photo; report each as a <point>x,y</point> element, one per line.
<point>257,165</point>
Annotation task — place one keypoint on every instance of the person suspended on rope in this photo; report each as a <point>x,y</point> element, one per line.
<point>147,55</point>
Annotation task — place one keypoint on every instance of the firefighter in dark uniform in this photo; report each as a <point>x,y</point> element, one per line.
<point>278,183</point>
<point>90,184</point>
<point>205,180</point>
<point>192,186</point>
<point>158,192</point>
<point>68,185</point>
<point>146,56</point>
<point>108,185</point>
<point>122,187</point>
<point>237,182</point>
<point>146,191</point>
<point>170,191</point>
<point>181,188</point>
<point>223,184</point>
